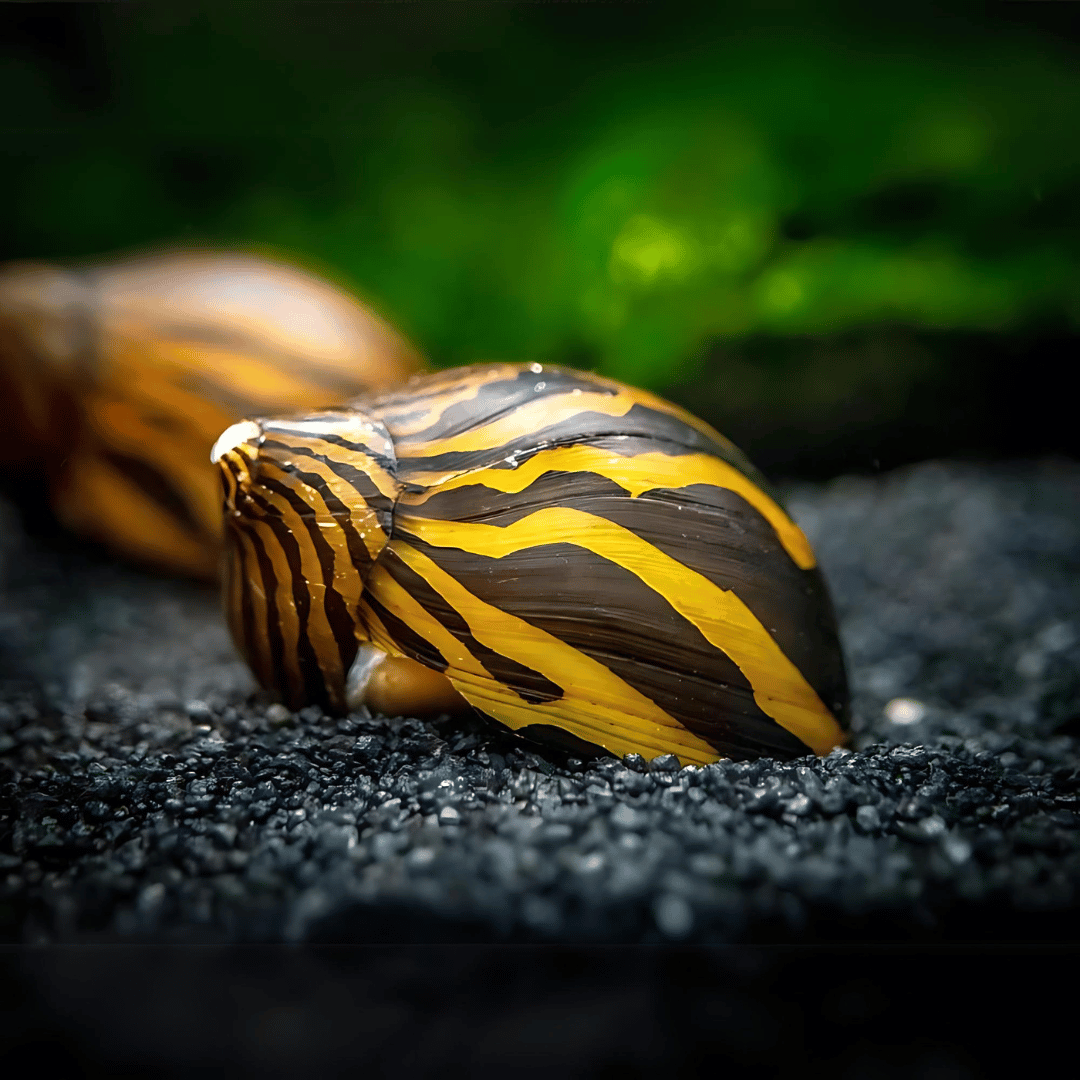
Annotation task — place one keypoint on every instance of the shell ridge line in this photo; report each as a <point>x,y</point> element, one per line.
<point>385,462</point>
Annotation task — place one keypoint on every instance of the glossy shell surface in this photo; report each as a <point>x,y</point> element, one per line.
<point>575,556</point>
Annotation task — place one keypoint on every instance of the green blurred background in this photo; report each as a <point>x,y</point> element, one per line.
<point>847,236</point>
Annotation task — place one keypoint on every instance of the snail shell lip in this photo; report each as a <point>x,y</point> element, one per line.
<point>368,658</point>
<point>232,437</point>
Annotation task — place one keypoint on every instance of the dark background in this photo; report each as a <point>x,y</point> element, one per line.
<point>847,234</point>
<point>581,1014</point>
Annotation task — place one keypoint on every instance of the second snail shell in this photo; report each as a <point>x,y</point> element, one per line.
<point>118,376</point>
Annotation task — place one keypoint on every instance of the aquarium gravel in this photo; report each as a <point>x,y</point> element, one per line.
<point>148,793</point>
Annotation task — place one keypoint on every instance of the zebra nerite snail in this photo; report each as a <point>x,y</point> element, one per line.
<point>116,379</point>
<point>562,552</point>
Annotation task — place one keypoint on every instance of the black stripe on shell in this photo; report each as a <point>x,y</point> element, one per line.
<point>356,478</point>
<point>494,400</point>
<point>342,625</point>
<point>658,431</point>
<point>311,675</point>
<point>358,550</point>
<point>531,686</point>
<point>708,529</point>
<point>609,614</point>
<point>410,641</point>
<point>249,572</point>
<point>363,483</point>
<point>273,623</point>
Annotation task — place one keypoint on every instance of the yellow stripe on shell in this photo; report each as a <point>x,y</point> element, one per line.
<point>533,416</point>
<point>319,633</point>
<point>288,622</point>
<point>636,474</point>
<point>384,481</point>
<point>464,387</point>
<point>347,580</point>
<point>468,385</point>
<point>397,599</point>
<point>363,518</point>
<point>780,689</point>
<point>597,705</point>
<point>254,524</point>
<point>232,590</point>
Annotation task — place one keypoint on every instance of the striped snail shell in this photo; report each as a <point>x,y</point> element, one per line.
<point>566,554</point>
<point>118,377</point>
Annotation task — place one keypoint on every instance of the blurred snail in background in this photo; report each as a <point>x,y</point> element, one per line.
<point>116,379</point>
<point>579,560</point>
<point>574,558</point>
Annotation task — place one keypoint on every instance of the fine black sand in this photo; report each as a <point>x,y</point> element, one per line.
<point>147,794</point>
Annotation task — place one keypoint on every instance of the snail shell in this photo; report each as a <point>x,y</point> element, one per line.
<point>118,378</point>
<point>564,553</point>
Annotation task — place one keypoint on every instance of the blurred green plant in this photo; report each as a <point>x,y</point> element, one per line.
<point>514,183</point>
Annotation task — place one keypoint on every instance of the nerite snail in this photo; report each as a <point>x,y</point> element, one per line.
<point>116,379</point>
<point>564,552</point>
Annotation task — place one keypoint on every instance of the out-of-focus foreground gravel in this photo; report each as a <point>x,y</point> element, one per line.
<point>147,793</point>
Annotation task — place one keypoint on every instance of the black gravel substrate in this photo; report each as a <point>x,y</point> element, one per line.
<point>149,795</point>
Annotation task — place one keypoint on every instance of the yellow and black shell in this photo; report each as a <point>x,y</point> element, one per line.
<point>569,553</point>
<point>117,378</point>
